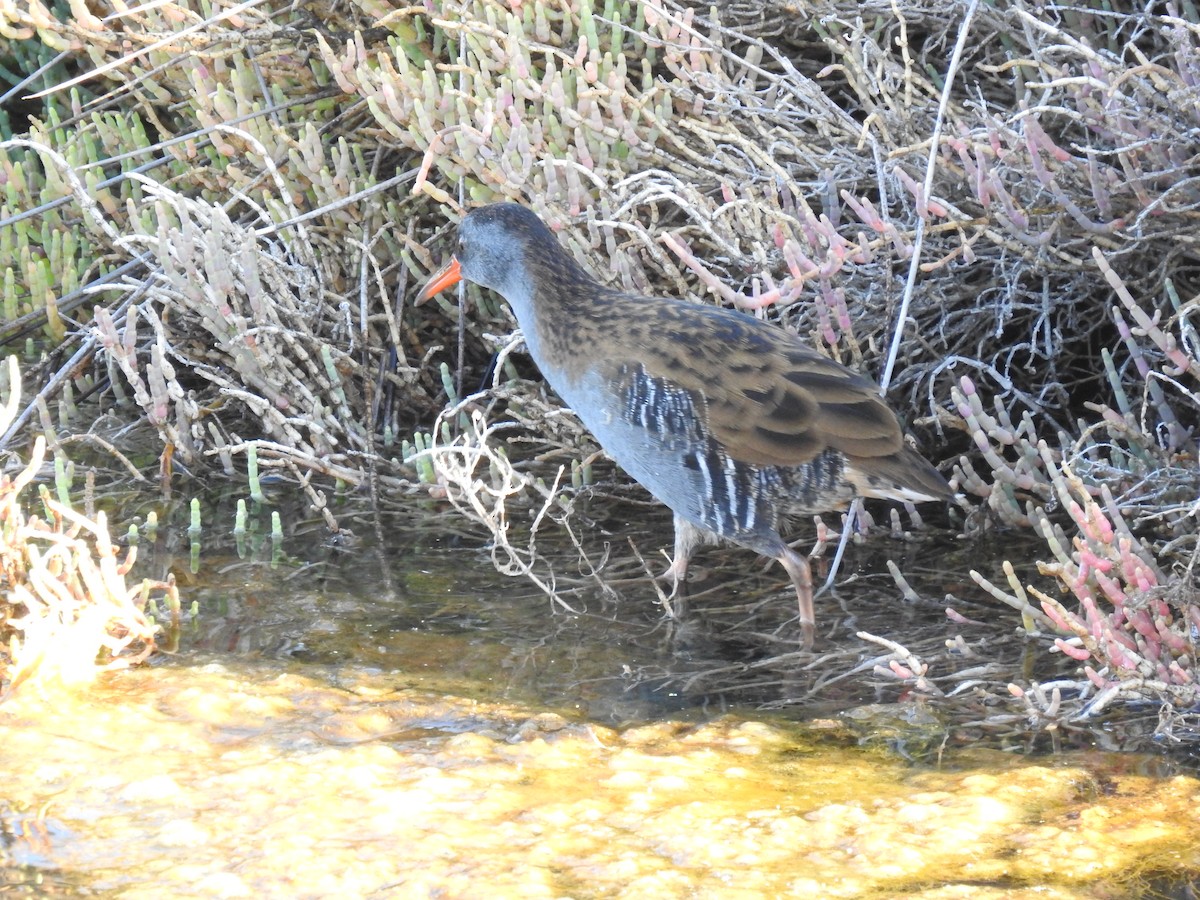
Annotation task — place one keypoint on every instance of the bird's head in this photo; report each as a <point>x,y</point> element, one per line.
<point>491,251</point>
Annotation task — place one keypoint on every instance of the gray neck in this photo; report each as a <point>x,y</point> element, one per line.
<point>520,298</point>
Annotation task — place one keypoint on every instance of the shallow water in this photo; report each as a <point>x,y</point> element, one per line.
<point>384,716</point>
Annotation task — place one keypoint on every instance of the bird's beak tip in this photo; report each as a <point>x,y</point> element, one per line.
<point>448,276</point>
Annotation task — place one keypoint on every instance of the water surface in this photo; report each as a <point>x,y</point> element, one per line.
<point>382,715</point>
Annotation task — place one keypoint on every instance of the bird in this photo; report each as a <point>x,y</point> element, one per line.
<point>735,424</point>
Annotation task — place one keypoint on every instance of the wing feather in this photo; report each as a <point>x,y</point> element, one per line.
<point>772,400</point>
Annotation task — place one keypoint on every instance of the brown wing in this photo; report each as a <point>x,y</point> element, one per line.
<point>768,398</point>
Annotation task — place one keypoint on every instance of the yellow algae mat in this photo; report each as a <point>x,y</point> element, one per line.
<point>210,783</point>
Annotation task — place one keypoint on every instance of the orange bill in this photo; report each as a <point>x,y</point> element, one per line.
<point>448,276</point>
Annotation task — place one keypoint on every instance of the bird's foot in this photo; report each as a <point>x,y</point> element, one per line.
<point>676,573</point>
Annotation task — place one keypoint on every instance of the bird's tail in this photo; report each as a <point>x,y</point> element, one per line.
<point>905,475</point>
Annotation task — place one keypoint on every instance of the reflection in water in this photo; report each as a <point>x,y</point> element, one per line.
<point>403,593</point>
<point>406,595</point>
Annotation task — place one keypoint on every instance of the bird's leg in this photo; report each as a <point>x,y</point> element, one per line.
<point>676,572</point>
<point>675,603</point>
<point>687,538</point>
<point>801,574</point>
